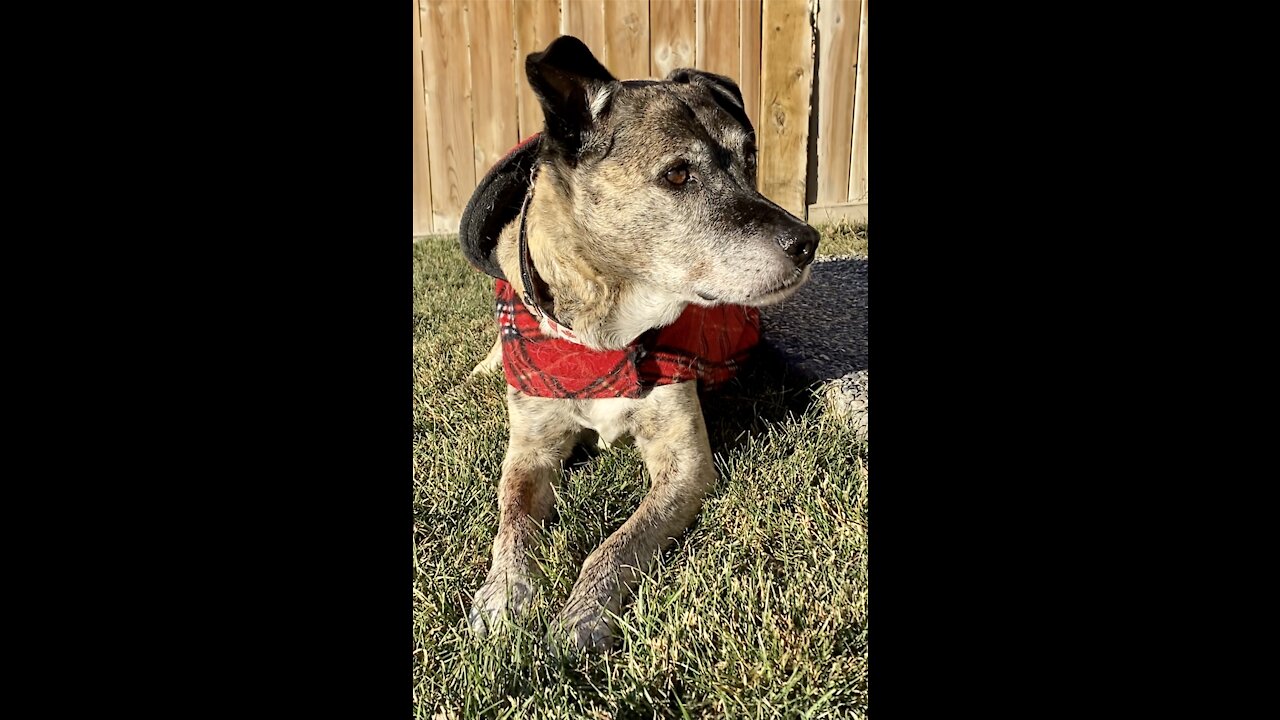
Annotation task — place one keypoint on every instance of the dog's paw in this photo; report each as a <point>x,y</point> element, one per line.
<point>485,367</point>
<point>581,627</point>
<point>501,598</point>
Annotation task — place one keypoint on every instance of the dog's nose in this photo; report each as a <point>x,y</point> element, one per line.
<point>800,244</point>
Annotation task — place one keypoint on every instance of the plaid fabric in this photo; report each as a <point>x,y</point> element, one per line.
<point>703,344</point>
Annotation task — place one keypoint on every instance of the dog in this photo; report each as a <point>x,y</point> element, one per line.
<point>634,214</point>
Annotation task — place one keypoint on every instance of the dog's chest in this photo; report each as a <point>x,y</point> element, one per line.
<point>611,418</point>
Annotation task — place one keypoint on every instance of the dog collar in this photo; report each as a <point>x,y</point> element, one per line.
<point>530,279</point>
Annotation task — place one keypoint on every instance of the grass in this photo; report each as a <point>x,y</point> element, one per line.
<point>843,237</point>
<point>760,610</point>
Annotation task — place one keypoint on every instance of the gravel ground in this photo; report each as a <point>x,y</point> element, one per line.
<point>821,332</point>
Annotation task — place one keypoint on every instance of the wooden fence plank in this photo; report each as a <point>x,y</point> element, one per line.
<point>584,19</point>
<point>749,14</point>
<point>820,214</point>
<point>838,22</point>
<point>626,27</point>
<point>786,80</point>
<point>673,38</point>
<point>462,121</point>
<point>491,39</point>
<point>717,47</point>
<point>448,111</point>
<point>421,160</point>
<point>537,24</point>
<point>858,163</point>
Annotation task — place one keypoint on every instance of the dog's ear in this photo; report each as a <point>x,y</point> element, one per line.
<point>724,91</point>
<point>573,88</point>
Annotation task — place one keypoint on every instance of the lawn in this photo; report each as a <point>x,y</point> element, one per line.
<point>759,611</point>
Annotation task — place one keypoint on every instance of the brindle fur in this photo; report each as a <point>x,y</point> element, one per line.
<point>623,250</point>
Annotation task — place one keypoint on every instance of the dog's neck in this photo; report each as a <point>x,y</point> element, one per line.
<point>606,311</point>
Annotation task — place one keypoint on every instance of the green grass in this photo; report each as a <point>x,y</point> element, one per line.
<point>759,611</point>
<point>843,237</point>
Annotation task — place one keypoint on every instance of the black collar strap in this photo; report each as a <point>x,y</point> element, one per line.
<point>529,275</point>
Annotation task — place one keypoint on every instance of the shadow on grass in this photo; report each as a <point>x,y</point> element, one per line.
<point>765,392</point>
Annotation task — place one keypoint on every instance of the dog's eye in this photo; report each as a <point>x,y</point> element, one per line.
<point>678,176</point>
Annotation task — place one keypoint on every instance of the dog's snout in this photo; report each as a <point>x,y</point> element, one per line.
<point>800,243</point>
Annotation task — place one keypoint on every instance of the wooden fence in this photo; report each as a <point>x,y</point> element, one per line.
<point>801,64</point>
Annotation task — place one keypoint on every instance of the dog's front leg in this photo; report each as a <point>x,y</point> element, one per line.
<point>672,438</point>
<point>541,437</point>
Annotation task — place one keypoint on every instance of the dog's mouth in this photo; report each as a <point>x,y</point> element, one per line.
<point>776,294</point>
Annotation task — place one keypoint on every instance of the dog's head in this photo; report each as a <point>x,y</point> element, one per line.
<point>657,181</point>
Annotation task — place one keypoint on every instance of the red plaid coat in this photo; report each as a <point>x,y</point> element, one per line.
<point>705,344</point>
